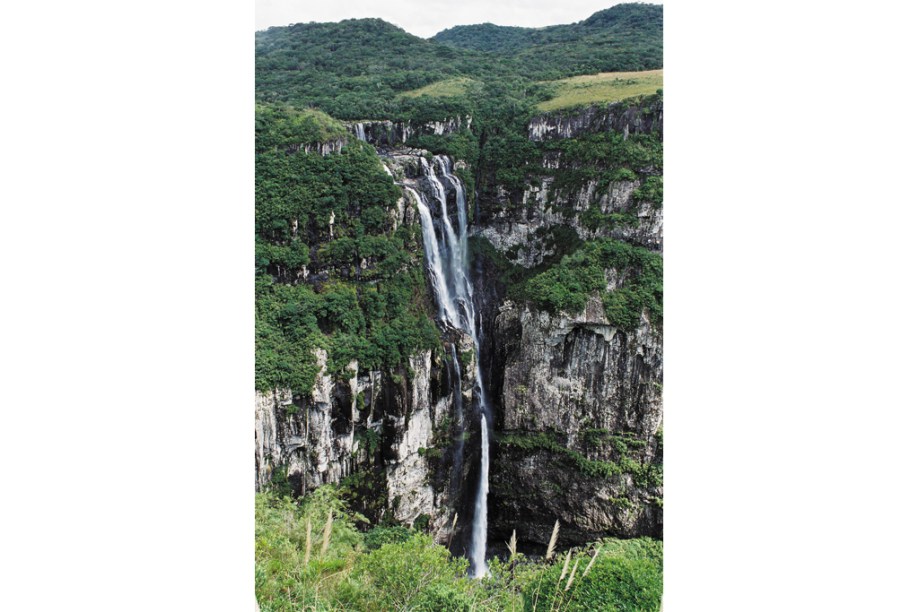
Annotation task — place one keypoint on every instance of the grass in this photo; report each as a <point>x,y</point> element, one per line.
<point>443,89</point>
<point>396,568</point>
<point>602,87</point>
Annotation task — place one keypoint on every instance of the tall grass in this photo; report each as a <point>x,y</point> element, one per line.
<point>550,549</point>
<point>326,535</point>
<point>412,572</point>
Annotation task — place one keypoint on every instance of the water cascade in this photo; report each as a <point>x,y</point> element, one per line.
<point>445,251</point>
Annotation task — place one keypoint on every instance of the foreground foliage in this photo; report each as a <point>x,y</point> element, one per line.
<point>310,555</point>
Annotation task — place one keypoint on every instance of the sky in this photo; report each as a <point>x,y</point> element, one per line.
<point>428,17</point>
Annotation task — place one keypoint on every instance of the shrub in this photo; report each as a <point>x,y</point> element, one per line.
<point>283,579</point>
<point>627,576</point>
<point>378,536</point>
<point>406,575</point>
<point>652,190</point>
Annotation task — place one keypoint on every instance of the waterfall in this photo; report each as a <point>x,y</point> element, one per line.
<point>480,518</point>
<point>446,254</point>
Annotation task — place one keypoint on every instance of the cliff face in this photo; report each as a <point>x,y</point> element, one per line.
<point>582,409</point>
<point>616,117</point>
<point>522,229</point>
<point>396,133</point>
<point>388,435</point>
<point>375,425</point>
<point>577,400</point>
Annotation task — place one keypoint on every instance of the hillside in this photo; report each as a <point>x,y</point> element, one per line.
<point>356,69</point>
<point>352,69</point>
<point>621,38</point>
<point>604,87</point>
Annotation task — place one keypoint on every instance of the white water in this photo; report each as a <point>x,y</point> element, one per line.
<point>480,519</point>
<point>445,251</point>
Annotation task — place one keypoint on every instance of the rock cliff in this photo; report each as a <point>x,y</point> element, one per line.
<point>624,117</point>
<point>396,133</point>
<point>394,437</point>
<point>577,400</point>
<point>384,430</point>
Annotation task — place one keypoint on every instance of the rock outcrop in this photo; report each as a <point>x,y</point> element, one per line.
<point>396,133</point>
<point>370,419</point>
<point>580,423</point>
<point>616,117</point>
<point>322,148</point>
<point>521,229</point>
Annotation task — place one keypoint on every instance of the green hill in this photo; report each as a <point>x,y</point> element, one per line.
<point>625,37</point>
<point>357,68</point>
<point>352,69</point>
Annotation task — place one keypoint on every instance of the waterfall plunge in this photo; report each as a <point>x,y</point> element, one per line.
<point>480,518</point>
<point>445,251</point>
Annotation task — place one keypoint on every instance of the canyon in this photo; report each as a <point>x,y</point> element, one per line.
<point>524,414</point>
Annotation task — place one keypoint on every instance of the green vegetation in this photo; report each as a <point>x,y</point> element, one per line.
<point>486,37</point>
<point>357,68</point>
<point>626,576</point>
<point>378,536</point>
<point>566,286</point>
<point>601,88</point>
<point>353,69</point>
<point>445,89</point>
<point>623,37</point>
<point>644,474</point>
<point>652,190</point>
<point>605,157</point>
<point>595,219</point>
<point>305,561</point>
<point>355,290</point>
<point>280,127</point>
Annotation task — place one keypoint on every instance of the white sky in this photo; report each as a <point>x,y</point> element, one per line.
<point>428,17</point>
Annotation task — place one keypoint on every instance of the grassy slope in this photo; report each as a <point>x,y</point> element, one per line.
<point>571,92</point>
<point>602,87</point>
<point>444,89</point>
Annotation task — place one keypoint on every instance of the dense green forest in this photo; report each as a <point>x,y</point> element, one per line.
<point>356,69</point>
<point>622,38</point>
<point>354,287</point>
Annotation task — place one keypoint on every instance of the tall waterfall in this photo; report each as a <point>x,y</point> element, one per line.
<point>446,250</point>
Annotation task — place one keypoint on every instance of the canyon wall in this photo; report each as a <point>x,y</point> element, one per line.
<point>578,433</point>
<point>578,400</point>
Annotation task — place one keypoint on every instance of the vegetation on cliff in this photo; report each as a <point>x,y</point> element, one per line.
<point>566,286</point>
<point>331,269</point>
